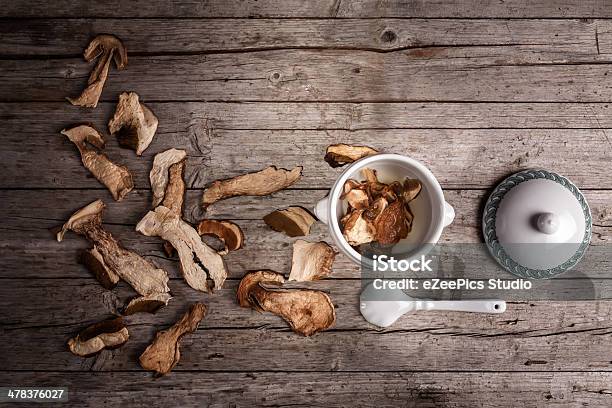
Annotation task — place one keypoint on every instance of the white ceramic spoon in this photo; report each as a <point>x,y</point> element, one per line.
<point>384,313</point>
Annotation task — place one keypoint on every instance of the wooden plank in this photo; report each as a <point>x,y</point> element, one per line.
<point>570,39</point>
<point>23,208</point>
<point>231,349</point>
<point>422,390</point>
<point>38,116</point>
<point>29,249</point>
<point>581,155</point>
<point>316,8</point>
<point>78,302</point>
<point>435,74</point>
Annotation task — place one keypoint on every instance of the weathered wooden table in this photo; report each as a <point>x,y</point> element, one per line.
<point>474,89</point>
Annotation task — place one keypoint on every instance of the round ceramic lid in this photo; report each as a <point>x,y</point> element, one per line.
<point>537,224</point>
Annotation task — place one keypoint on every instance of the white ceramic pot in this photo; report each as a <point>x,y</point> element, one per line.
<point>431,212</point>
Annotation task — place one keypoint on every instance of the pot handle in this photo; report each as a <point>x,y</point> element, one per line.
<point>320,210</point>
<point>449,214</point>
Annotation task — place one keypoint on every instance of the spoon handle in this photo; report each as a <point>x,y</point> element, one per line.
<point>476,306</point>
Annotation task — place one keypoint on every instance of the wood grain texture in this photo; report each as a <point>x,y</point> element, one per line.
<point>179,116</point>
<point>89,302</point>
<point>474,89</point>
<point>412,390</point>
<point>439,74</point>
<point>212,152</point>
<point>570,39</point>
<point>233,349</point>
<point>315,8</point>
<point>29,249</point>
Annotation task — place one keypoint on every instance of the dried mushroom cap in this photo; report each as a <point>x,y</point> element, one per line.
<point>226,231</point>
<point>107,47</point>
<point>349,185</point>
<point>163,354</point>
<point>311,260</point>
<point>293,221</point>
<point>93,260</point>
<point>306,311</point>
<point>412,188</point>
<point>254,278</point>
<point>133,123</point>
<point>147,304</point>
<point>164,223</point>
<point>138,272</point>
<point>391,225</point>
<point>160,173</point>
<point>117,179</point>
<point>104,335</point>
<point>338,155</point>
<point>263,182</point>
<point>357,229</point>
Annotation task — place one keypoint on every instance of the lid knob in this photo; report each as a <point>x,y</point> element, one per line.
<point>548,223</point>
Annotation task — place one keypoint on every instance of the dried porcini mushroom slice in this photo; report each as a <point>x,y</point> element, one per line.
<point>293,221</point>
<point>107,47</point>
<point>311,260</point>
<point>147,304</point>
<point>107,334</point>
<point>357,229</point>
<point>227,232</point>
<point>92,259</point>
<point>306,311</point>
<point>168,183</point>
<point>133,123</point>
<point>349,185</point>
<point>163,354</point>
<point>357,199</point>
<point>412,188</point>
<point>117,179</point>
<point>391,224</point>
<point>167,225</point>
<point>263,182</point>
<point>138,272</point>
<point>160,173</point>
<point>338,155</point>
<point>375,209</point>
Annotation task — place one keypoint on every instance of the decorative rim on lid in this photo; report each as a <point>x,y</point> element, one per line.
<point>496,249</point>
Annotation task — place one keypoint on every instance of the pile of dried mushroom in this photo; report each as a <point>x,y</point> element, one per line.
<point>378,212</point>
<point>203,268</point>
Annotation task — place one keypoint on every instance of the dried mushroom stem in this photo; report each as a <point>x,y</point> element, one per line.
<point>133,123</point>
<point>293,221</point>
<point>338,155</point>
<point>92,259</point>
<point>227,232</point>
<point>164,223</point>
<point>306,311</point>
<point>107,47</point>
<point>108,334</point>
<point>117,179</point>
<point>311,260</point>
<point>163,354</point>
<point>168,184</point>
<point>138,272</point>
<point>264,182</point>
<point>160,172</point>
